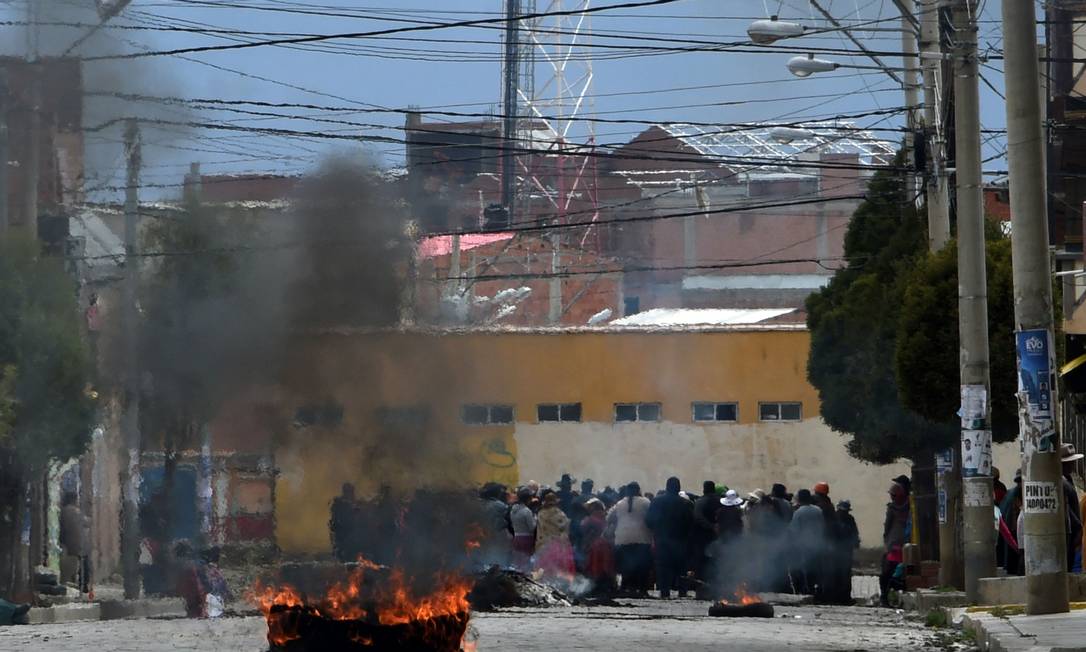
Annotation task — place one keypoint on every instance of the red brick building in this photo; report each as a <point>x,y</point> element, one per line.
<point>58,96</point>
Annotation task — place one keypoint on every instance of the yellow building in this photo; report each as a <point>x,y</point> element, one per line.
<point>616,405</point>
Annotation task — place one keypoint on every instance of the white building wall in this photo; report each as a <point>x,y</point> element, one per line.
<point>744,457</point>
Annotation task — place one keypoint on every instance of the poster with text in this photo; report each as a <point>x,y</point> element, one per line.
<point>976,453</point>
<point>1035,385</point>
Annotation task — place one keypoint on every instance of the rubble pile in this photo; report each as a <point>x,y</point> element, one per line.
<point>498,588</point>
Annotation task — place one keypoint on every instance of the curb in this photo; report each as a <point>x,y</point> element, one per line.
<point>999,634</point>
<point>67,613</point>
<point>107,610</point>
<point>143,608</point>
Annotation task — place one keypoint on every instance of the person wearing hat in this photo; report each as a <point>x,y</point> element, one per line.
<point>846,541</point>
<point>907,483</point>
<point>783,499</point>
<point>894,536</point>
<point>765,533</point>
<point>553,552</point>
<point>830,574</point>
<point>729,528</point>
<point>565,493</point>
<point>577,512</point>
<point>1073,517</point>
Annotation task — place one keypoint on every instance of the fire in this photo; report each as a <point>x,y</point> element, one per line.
<point>390,601</point>
<point>401,607</point>
<point>742,597</point>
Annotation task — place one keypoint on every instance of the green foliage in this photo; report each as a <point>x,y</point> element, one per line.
<point>45,368</point>
<point>936,617</point>
<point>927,344</point>
<point>854,328</point>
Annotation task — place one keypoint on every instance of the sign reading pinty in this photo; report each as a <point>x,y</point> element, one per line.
<point>1041,497</point>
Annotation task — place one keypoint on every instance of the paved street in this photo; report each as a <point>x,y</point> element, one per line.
<point>637,626</point>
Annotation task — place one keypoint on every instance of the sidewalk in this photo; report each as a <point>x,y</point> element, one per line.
<point>1003,632</point>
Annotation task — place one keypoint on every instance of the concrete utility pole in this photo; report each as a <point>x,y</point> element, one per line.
<point>509,103</point>
<point>937,191</point>
<point>1042,502</point>
<point>976,436</point>
<point>947,467</point>
<point>911,63</point>
<point>130,472</point>
<point>32,163</point>
<point>4,167</point>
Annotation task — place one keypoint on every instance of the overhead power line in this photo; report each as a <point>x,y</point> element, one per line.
<point>214,104</point>
<point>397,30</point>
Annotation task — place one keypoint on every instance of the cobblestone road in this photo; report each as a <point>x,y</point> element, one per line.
<point>642,626</point>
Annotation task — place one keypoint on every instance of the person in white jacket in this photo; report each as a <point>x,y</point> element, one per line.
<point>633,541</point>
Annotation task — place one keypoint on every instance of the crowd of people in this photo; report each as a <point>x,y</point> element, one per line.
<point>716,544</point>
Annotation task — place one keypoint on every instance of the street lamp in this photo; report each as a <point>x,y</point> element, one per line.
<point>770,31</point>
<point>806,66</point>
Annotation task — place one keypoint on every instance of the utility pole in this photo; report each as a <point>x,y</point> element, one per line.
<point>909,82</point>
<point>130,471</point>
<point>32,162</point>
<point>937,191</point>
<point>976,434</point>
<point>1042,483</point>
<point>510,101</point>
<point>948,464</point>
<point>3,152</point>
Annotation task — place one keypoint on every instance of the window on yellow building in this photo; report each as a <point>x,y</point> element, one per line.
<point>413,416</point>
<point>637,412</point>
<point>485,415</point>
<point>558,412</point>
<point>715,411</point>
<point>328,415</point>
<point>790,411</point>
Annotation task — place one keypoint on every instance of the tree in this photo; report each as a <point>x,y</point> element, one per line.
<point>45,369</point>
<point>854,325</point>
<point>927,344</point>
<point>46,411</point>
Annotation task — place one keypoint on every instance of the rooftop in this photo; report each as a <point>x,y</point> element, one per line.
<point>677,317</point>
<point>810,140</point>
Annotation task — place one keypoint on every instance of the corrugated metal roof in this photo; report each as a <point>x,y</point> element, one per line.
<point>754,141</point>
<point>664,317</point>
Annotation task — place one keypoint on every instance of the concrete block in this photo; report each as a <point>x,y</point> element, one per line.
<point>143,608</point>
<point>65,613</point>
<point>924,600</point>
<point>1012,589</point>
<point>1002,590</point>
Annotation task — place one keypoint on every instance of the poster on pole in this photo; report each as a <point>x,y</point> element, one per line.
<point>944,460</point>
<point>976,453</point>
<point>941,497</point>
<point>974,407</point>
<point>1035,387</point>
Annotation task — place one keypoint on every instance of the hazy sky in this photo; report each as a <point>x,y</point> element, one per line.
<point>462,70</point>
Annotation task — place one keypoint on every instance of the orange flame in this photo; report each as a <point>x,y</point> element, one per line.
<point>395,602</point>
<point>742,597</point>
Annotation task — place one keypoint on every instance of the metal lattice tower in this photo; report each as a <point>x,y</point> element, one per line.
<point>556,84</point>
